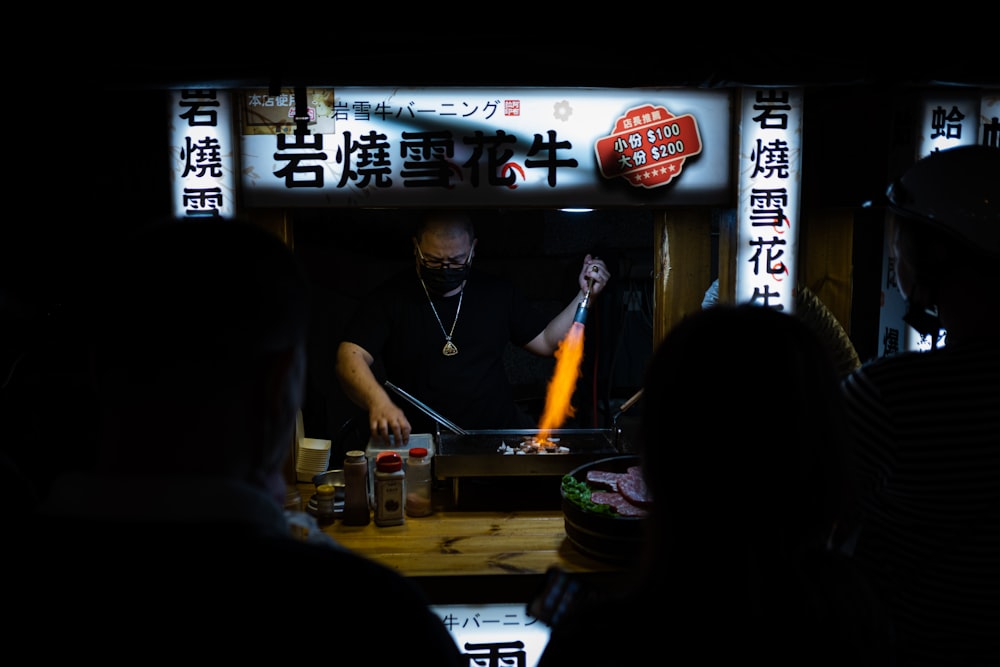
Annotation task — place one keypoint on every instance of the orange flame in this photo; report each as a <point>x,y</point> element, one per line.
<point>557,400</point>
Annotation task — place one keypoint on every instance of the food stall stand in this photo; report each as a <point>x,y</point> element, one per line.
<point>240,152</point>
<point>677,152</point>
<point>265,154</point>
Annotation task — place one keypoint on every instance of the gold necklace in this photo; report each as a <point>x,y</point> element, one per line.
<point>449,349</point>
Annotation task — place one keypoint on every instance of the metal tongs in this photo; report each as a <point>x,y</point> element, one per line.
<point>451,426</point>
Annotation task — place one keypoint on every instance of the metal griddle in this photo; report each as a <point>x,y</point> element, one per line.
<point>462,453</point>
<point>475,453</point>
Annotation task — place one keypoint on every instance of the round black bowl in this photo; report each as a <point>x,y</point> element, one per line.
<point>612,538</point>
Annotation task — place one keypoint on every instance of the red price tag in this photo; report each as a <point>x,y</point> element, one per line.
<point>648,146</point>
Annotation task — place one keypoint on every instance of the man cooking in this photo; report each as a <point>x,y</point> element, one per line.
<point>440,332</point>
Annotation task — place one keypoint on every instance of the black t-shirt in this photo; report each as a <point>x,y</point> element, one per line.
<point>397,326</point>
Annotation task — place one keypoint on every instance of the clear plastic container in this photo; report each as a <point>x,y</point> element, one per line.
<point>418,482</point>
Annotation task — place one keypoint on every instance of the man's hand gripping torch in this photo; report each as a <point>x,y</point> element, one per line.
<point>581,310</point>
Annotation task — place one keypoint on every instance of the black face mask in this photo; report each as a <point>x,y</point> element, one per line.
<point>442,281</point>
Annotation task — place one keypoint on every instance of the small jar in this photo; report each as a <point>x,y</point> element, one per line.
<point>418,482</point>
<point>325,504</point>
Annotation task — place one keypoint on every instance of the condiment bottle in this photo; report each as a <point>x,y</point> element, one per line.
<point>418,482</point>
<point>325,506</point>
<point>390,489</point>
<point>357,511</point>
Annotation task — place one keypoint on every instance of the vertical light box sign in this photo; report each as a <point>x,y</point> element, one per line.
<point>202,154</point>
<point>945,121</point>
<point>770,183</point>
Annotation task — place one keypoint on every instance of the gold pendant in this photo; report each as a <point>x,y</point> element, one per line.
<point>449,349</point>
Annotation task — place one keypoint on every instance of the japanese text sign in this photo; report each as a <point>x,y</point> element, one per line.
<point>487,147</point>
<point>770,168</point>
<point>202,150</point>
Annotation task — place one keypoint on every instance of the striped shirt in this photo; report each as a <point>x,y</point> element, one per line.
<point>927,431</point>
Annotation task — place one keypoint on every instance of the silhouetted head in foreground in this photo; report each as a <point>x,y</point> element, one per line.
<point>763,465</point>
<point>199,351</point>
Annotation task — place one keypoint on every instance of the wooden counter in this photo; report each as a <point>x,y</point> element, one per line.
<point>463,556</point>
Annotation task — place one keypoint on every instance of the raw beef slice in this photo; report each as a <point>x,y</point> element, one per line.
<point>619,502</point>
<point>633,488</point>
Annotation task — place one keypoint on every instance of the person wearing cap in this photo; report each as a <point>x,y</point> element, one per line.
<point>926,424</point>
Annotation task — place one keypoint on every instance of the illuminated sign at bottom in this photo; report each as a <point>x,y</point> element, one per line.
<point>495,634</point>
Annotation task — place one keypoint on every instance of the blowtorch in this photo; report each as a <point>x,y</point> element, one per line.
<point>581,310</point>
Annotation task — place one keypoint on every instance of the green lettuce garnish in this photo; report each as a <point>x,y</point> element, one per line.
<point>578,492</point>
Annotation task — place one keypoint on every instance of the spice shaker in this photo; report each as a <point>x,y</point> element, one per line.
<point>390,489</point>
<point>357,511</point>
<point>418,482</point>
<point>325,505</point>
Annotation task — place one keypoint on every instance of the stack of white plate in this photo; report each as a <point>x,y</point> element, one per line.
<point>313,458</point>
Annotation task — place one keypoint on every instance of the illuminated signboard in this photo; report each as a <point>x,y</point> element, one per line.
<point>497,147</point>
<point>202,169</point>
<point>495,634</point>
<point>770,177</point>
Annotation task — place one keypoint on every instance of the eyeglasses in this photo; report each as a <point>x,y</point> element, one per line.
<point>446,263</point>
